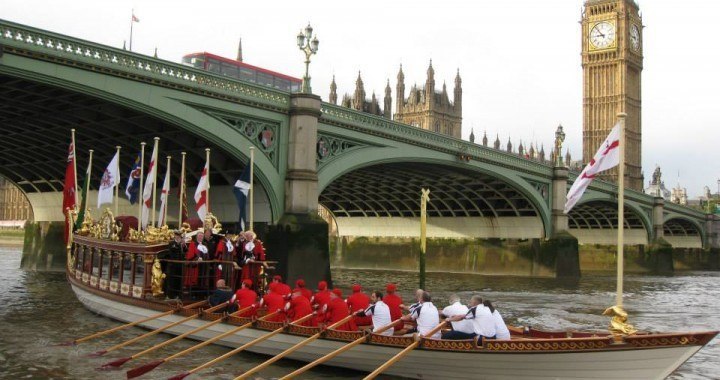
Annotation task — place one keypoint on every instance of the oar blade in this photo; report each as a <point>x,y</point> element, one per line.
<point>180,376</point>
<point>143,369</point>
<point>116,363</point>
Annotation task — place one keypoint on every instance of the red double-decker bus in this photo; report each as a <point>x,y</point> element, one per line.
<point>243,71</point>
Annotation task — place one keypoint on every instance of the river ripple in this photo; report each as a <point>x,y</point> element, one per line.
<point>39,309</point>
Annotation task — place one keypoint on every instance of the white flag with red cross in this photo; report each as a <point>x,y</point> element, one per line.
<point>607,156</point>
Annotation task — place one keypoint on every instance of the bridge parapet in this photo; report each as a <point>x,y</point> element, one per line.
<point>379,126</point>
<point>41,44</point>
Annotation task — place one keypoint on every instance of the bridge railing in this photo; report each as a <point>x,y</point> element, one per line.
<point>379,126</point>
<point>45,45</point>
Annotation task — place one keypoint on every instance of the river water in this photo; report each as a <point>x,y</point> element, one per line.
<point>38,310</point>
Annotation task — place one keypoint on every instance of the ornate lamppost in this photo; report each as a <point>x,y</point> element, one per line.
<point>559,138</point>
<point>309,45</point>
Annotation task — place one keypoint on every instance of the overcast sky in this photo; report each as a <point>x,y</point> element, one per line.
<point>519,60</point>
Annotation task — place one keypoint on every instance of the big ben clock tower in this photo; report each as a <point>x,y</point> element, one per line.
<point>612,63</point>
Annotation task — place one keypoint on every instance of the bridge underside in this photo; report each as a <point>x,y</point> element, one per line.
<point>681,233</point>
<point>384,200</point>
<point>35,117</point>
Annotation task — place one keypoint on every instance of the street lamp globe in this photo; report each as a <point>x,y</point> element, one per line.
<point>300,39</point>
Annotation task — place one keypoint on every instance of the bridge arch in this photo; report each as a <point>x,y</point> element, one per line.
<point>683,232</point>
<point>467,201</point>
<point>594,221</point>
<point>43,102</point>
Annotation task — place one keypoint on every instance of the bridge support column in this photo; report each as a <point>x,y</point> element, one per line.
<point>562,244</point>
<point>657,217</point>
<point>43,248</point>
<point>300,238</point>
<point>712,231</point>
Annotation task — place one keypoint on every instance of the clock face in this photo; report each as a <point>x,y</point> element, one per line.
<point>635,37</point>
<point>602,35</point>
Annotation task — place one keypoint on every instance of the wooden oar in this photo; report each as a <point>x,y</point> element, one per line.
<point>292,349</point>
<point>241,348</point>
<point>118,328</point>
<point>337,352</point>
<point>121,361</point>
<point>143,369</point>
<point>402,353</point>
<point>154,332</point>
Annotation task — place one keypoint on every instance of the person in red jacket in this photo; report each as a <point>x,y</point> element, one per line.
<point>246,297</point>
<point>273,302</point>
<point>251,256</point>
<point>299,307</point>
<point>359,301</point>
<point>320,299</point>
<point>335,310</point>
<point>393,301</point>
<point>280,287</point>
<point>196,251</point>
<point>300,287</point>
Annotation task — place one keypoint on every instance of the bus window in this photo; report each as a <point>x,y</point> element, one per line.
<point>282,84</point>
<point>247,75</point>
<point>228,69</point>
<point>213,65</point>
<point>265,79</point>
<point>295,87</point>
<point>197,62</point>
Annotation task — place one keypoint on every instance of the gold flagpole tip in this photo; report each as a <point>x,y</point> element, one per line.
<point>252,148</point>
<point>117,147</point>
<point>91,151</point>
<point>183,153</point>
<point>169,157</point>
<point>156,138</point>
<point>143,143</point>
<point>621,114</point>
<point>207,149</point>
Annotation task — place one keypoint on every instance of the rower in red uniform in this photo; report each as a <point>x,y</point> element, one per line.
<point>299,307</point>
<point>359,301</point>
<point>300,287</point>
<point>246,297</point>
<point>280,287</point>
<point>336,310</point>
<point>320,299</point>
<point>393,301</point>
<point>273,302</point>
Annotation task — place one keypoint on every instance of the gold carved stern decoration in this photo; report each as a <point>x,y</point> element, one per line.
<point>618,323</point>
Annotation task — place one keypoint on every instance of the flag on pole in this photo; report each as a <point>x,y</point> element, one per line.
<point>148,188</point>
<point>241,188</point>
<point>69,188</point>
<point>607,156</point>
<point>134,18</point>
<point>133,183</point>
<point>83,194</point>
<point>110,178</point>
<point>201,205</point>
<point>164,199</point>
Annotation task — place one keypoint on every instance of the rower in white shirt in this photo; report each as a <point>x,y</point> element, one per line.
<point>380,313</point>
<point>426,315</point>
<point>501,329</point>
<point>481,318</point>
<point>462,329</point>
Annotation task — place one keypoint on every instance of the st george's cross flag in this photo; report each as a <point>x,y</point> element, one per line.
<point>607,156</point>
<point>148,188</point>
<point>201,205</point>
<point>110,178</point>
<point>164,199</point>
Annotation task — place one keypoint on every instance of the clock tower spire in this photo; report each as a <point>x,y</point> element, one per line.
<point>612,63</point>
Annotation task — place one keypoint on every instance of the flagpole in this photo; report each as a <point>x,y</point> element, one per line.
<point>207,185</point>
<point>87,187</point>
<point>424,198</point>
<point>182,189</point>
<point>132,21</point>
<point>621,211</point>
<point>154,182</point>
<point>167,195</point>
<point>141,189</point>
<point>117,184</point>
<point>72,134</point>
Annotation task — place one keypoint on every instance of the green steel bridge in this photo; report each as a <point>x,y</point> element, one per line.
<point>366,171</point>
